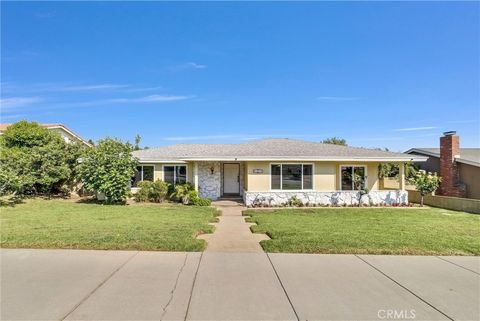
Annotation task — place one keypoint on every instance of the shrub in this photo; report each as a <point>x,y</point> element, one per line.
<point>294,202</point>
<point>200,201</point>
<point>142,193</point>
<point>187,194</point>
<point>152,191</point>
<point>108,168</point>
<point>36,160</point>
<point>158,191</point>
<point>184,193</point>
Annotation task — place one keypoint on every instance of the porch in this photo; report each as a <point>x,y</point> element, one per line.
<point>263,183</point>
<point>216,180</point>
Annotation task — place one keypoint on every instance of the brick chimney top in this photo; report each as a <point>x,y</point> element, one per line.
<point>449,150</point>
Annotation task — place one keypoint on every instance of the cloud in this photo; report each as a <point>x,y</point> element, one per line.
<point>14,102</point>
<point>194,65</point>
<point>145,89</point>
<point>133,100</point>
<point>337,98</point>
<point>411,129</point>
<point>89,87</point>
<point>61,87</point>
<point>71,87</point>
<point>149,99</point>
<point>187,66</point>
<point>8,104</point>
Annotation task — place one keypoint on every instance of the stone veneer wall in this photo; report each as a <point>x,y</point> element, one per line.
<point>209,184</point>
<point>339,198</point>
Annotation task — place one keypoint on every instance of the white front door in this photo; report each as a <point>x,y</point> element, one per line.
<point>231,178</point>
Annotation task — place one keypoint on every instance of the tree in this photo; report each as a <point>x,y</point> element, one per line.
<point>138,139</point>
<point>35,160</point>
<point>335,141</point>
<point>426,183</point>
<point>108,168</point>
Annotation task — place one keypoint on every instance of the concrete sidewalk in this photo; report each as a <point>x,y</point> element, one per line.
<point>129,285</point>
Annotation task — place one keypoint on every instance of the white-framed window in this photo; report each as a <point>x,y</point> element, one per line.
<point>143,173</point>
<point>353,177</point>
<point>175,174</point>
<point>291,176</point>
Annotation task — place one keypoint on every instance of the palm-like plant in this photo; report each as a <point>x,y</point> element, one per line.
<point>183,192</point>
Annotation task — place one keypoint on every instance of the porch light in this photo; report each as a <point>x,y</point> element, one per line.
<point>212,170</point>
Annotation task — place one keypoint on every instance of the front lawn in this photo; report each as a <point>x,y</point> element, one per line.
<point>406,231</point>
<point>68,225</point>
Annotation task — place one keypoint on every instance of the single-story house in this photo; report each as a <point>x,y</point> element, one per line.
<point>458,167</point>
<point>67,134</point>
<point>272,171</point>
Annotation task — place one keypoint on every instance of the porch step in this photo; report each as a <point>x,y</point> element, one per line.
<point>231,198</point>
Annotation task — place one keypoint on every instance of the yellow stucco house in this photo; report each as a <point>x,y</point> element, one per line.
<point>272,171</point>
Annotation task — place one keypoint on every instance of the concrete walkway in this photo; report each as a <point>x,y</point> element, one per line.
<point>232,233</point>
<point>129,285</point>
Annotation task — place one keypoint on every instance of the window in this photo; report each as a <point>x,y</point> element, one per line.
<point>176,174</point>
<point>353,177</point>
<point>291,176</point>
<point>143,173</point>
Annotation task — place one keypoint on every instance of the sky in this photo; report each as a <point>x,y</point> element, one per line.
<point>379,74</point>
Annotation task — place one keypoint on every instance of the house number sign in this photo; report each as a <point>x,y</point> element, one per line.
<point>258,171</point>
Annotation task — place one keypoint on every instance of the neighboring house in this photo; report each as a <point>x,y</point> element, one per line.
<point>458,167</point>
<point>67,134</point>
<point>272,171</point>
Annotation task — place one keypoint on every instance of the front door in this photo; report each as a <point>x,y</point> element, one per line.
<point>231,178</point>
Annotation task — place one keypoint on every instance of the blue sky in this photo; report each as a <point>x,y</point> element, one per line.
<point>378,74</point>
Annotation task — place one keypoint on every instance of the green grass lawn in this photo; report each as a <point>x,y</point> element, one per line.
<point>421,231</point>
<point>63,224</point>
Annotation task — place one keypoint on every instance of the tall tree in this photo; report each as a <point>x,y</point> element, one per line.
<point>335,141</point>
<point>138,139</point>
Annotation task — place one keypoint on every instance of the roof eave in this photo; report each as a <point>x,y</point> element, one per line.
<point>273,158</point>
<point>421,151</point>
<point>468,162</point>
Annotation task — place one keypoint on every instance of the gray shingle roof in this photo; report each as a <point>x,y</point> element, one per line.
<point>268,149</point>
<point>467,155</point>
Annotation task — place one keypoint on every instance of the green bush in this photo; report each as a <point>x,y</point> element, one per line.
<point>199,201</point>
<point>294,202</point>
<point>152,191</point>
<point>36,160</point>
<point>187,194</point>
<point>184,193</point>
<point>108,168</point>
<point>158,191</point>
<point>142,193</point>
<point>195,199</point>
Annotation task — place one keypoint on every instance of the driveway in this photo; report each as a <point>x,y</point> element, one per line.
<point>129,285</point>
